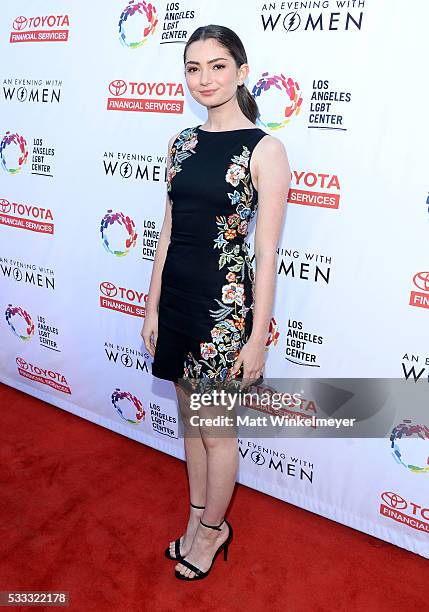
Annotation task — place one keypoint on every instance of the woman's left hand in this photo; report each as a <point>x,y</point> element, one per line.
<point>252,358</point>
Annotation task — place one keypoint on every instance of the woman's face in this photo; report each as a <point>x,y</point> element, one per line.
<point>211,72</point>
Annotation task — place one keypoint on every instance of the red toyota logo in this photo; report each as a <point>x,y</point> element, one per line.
<point>108,289</point>
<point>4,205</point>
<point>421,280</point>
<point>21,362</point>
<point>118,87</point>
<point>394,500</point>
<point>20,23</point>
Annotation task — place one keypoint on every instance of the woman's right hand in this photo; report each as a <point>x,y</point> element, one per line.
<point>149,332</point>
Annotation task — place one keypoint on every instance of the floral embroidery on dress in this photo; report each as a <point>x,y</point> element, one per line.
<point>183,147</point>
<point>229,332</point>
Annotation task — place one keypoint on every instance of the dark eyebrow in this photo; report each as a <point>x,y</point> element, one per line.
<point>210,62</point>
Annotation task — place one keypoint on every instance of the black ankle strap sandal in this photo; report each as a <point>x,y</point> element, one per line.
<point>218,527</point>
<point>178,555</point>
<point>198,573</point>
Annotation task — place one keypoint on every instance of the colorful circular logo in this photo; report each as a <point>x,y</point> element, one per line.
<point>6,150</point>
<point>137,22</point>
<point>410,446</point>
<point>23,320</point>
<point>268,89</point>
<point>134,407</point>
<point>107,228</point>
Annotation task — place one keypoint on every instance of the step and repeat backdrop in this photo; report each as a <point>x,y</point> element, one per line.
<point>90,95</point>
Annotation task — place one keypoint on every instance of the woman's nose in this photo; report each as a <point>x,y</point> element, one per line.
<point>205,76</point>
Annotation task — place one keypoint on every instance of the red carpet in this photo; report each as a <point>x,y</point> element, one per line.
<point>86,510</point>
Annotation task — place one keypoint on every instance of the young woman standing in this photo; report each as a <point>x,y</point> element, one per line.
<point>207,315</point>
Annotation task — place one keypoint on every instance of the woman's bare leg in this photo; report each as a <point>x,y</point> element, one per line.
<point>222,466</point>
<point>196,464</point>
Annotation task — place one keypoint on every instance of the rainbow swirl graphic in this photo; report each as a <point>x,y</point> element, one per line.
<point>12,311</point>
<point>119,395</point>
<point>289,87</point>
<point>19,141</point>
<point>407,430</point>
<point>107,221</point>
<point>131,10</point>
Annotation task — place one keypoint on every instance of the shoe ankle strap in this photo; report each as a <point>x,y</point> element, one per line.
<point>218,527</point>
<point>199,507</point>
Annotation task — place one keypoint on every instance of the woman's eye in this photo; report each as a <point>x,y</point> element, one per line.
<point>194,68</point>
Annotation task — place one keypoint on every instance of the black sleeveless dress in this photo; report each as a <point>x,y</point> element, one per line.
<point>207,286</point>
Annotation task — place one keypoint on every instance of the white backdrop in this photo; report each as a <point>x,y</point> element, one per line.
<point>90,95</point>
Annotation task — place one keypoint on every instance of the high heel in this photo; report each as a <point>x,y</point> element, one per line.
<point>199,574</point>
<point>177,552</point>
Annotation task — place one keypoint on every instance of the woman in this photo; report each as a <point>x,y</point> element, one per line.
<point>207,316</point>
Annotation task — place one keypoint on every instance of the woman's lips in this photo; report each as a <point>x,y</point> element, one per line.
<point>207,92</point>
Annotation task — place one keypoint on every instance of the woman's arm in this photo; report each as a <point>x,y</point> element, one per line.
<point>272,177</point>
<point>149,331</point>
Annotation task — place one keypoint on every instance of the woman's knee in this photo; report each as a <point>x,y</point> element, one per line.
<point>216,425</point>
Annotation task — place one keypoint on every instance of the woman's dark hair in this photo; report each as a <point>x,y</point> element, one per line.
<point>229,39</point>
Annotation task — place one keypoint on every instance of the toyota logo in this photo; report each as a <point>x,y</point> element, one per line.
<point>394,500</point>
<point>421,280</point>
<point>21,362</point>
<point>108,289</point>
<point>118,87</point>
<point>20,23</point>
<point>4,205</point>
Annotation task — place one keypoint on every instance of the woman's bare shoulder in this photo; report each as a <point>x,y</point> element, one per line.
<point>270,146</point>
<point>270,152</point>
<point>270,160</point>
